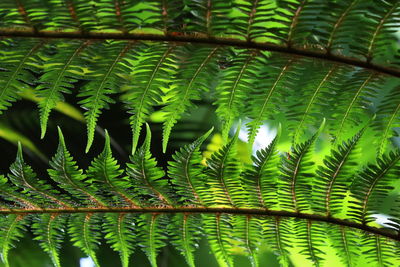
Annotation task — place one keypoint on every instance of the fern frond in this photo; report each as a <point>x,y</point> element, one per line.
<point>146,176</point>
<point>336,175</point>
<point>192,79</point>
<point>309,226</point>
<point>186,232</point>
<point>12,228</point>
<point>244,70</point>
<point>17,58</point>
<point>261,179</point>
<point>120,233</point>
<point>69,177</point>
<point>218,228</point>
<point>65,70</point>
<point>373,185</point>
<point>388,118</point>
<point>106,173</point>
<point>106,82</point>
<point>152,236</point>
<point>296,173</point>
<point>186,172</point>
<point>84,230</point>
<point>155,66</point>
<point>49,231</point>
<point>223,176</point>
<point>25,178</point>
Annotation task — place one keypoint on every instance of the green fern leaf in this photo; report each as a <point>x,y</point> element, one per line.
<point>49,230</point>
<point>186,172</point>
<point>59,79</point>
<point>12,229</point>
<point>84,230</point>
<point>65,172</point>
<point>144,175</point>
<point>120,233</point>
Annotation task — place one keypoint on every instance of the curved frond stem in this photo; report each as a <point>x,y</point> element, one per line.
<point>87,238</point>
<point>209,210</point>
<point>184,99</point>
<point>4,89</point>
<point>192,38</point>
<point>251,18</point>
<point>228,122</point>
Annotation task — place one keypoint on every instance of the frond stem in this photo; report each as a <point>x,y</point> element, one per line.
<point>203,210</point>
<point>197,38</point>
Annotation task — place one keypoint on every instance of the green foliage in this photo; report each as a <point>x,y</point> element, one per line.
<point>292,63</point>
<point>232,213</point>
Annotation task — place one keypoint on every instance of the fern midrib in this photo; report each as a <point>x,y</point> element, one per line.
<point>310,244</point>
<point>21,199</point>
<point>311,102</point>
<point>186,240</point>
<point>86,236</point>
<point>278,235</point>
<point>334,176</point>
<point>295,174</point>
<point>24,14</point>
<point>270,92</point>
<point>148,182</point>
<point>345,244</point>
<point>17,70</point>
<point>219,237</point>
<point>95,101</point>
<point>374,182</point>
<point>251,18</point>
<point>34,188</point>
<point>10,230</point>
<point>221,175</point>
<point>379,250</point>
<point>208,17</point>
<point>208,210</point>
<point>122,241</point>
<point>192,38</point>
<point>294,22</point>
<point>387,129</point>
<point>52,248</point>
<point>377,30</point>
<point>353,100</point>
<point>337,24</point>
<point>228,112</point>
<point>76,186</point>
<point>189,179</point>
<point>111,184</point>
<point>54,86</point>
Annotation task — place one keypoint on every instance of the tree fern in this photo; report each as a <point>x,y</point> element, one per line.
<point>240,221</point>
<point>292,63</point>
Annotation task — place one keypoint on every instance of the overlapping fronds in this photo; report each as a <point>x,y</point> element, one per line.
<point>296,61</point>
<point>290,62</point>
<point>238,209</point>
